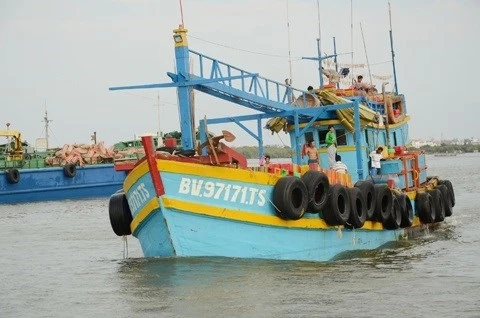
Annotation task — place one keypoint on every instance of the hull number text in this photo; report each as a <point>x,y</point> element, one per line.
<point>222,191</point>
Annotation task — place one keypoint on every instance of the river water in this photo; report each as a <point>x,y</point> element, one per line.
<point>61,259</point>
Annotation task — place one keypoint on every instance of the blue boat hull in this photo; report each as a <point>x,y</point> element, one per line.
<point>174,233</point>
<point>198,216</point>
<point>51,183</point>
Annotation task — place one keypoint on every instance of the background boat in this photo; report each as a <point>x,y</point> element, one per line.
<point>73,171</point>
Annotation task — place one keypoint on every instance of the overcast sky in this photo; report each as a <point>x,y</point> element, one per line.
<point>64,55</point>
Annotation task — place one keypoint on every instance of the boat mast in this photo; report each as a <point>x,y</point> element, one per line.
<point>181,12</point>
<point>335,59</point>
<point>319,57</point>
<point>351,41</point>
<point>366,55</point>
<point>319,47</point>
<point>391,47</point>
<point>289,47</point>
<point>46,121</point>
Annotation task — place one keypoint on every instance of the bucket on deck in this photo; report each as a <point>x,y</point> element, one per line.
<point>391,183</point>
<point>399,150</point>
<point>170,142</point>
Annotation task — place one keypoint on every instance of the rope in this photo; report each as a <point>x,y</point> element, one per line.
<point>281,140</point>
<point>125,247</point>
<point>242,50</point>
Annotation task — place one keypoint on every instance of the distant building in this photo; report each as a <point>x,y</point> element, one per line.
<point>417,143</point>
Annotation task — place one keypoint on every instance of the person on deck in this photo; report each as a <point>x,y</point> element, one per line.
<point>361,86</point>
<point>267,161</point>
<point>312,153</point>
<point>375,157</point>
<point>331,141</point>
<point>339,166</point>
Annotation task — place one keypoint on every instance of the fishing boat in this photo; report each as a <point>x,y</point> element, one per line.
<point>71,172</point>
<point>207,201</point>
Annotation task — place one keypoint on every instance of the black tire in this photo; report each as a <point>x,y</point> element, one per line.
<point>337,210</point>
<point>383,202</point>
<point>13,175</point>
<point>407,210</point>
<point>120,214</point>
<point>438,204</point>
<point>394,220</point>
<point>368,190</point>
<point>290,198</point>
<point>450,189</point>
<point>358,208</point>
<point>317,188</point>
<point>70,170</point>
<point>447,199</point>
<point>424,207</point>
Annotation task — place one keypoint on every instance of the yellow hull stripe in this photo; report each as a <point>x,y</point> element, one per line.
<point>144,213</point>
<point>134,175</point>
<point>242,216</point>
<point>225,173</point>
<point>251,217</point>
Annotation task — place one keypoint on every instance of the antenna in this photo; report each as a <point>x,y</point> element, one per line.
<point>318,46</point>
<point>351,38</point>
<point>46,121</point>
<point>366,55</point>
<point>159,134</point>
<point>289,51</point>
<point>181,12</point>
<point>391,46</point>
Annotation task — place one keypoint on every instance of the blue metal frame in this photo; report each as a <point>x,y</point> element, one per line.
<point>248,89</point>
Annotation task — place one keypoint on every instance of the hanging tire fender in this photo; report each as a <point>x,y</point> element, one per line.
<point>447,199</point>
<point>317,188</point>
<point>13,175</point>
<point>394,220</point>
<point>438,205</point>
<point>383,202</point>
<point>368,190</point>
<point>337,210</point>
<point>70,170</point>
<point>358,208</point>
<point>450,189</point>
<point>424,207</point>
<point>120,214</point>
<point>406,209</point>
<point>290,198</point>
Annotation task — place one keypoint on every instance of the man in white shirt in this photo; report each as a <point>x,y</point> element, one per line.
<point>376,156</point>
<point>339,166</point>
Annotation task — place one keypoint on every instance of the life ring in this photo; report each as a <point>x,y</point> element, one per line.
<point>317,188</point>
<point>424,207</point>
<point>394,220</point>
<point>368,190</point>
<point>120,214</point>
<point>383,202</point>
<point>450,189</point>
<point>447,199</point>
<point>290,197</point>
<point>13,175</point>
<point>358,208</point>
<point>406,209</point>
<point>394,117</point>
<point>70,170</point>
<point>337,210</point>
<point>438,204</point>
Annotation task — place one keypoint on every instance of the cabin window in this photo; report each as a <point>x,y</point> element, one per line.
<point>395,138</point>
<point>308,136</point>
<point>341,136</point>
